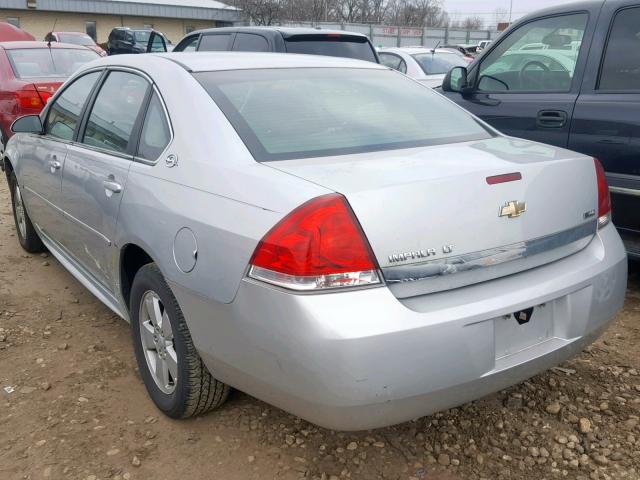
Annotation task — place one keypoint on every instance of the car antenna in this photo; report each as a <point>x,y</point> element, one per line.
<point>433,50</point>
<point>51,35</point>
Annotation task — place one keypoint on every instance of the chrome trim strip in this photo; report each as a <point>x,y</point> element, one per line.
<point>488,258</point>
<point>625,191</point>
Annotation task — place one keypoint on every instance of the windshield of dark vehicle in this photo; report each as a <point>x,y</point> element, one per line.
<point>331,45</point>
<point>47,63</point>
<point>439,63</point>
<point>310,112</point>
<point>85,40</point>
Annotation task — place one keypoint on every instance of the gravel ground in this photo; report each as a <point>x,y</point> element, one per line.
<point>72,405</point>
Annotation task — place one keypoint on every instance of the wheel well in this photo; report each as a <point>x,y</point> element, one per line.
<point>8,168</point>
<point>132,259</point>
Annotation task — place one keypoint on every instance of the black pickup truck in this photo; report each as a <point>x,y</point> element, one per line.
<point>568,76</point>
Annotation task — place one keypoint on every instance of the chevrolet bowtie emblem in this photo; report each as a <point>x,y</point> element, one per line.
<point>513,209</point>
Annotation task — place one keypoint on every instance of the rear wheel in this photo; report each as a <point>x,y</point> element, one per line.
<point>175,376</point>
<point>27,235</point>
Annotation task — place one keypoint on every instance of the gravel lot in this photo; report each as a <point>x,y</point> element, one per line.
<point>79,410</point>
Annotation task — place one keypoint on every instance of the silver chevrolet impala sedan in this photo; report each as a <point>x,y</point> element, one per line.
<point>325,234</point>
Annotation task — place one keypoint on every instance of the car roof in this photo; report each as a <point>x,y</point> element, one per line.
<point>286,32</point>
<point>34,44</point>
<point>79,34</point>
<point>220,61</point>
<point>414,50</point>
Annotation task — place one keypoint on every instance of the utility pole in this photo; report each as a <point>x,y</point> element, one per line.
<point>510,10</point>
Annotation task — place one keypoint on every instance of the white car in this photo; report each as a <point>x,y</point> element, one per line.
<point>428,65</point>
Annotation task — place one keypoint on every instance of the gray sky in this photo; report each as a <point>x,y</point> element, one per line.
<point>459,9</point>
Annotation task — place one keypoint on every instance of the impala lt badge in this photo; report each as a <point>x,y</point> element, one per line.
<point>429,252</point>
<point>513,209</point>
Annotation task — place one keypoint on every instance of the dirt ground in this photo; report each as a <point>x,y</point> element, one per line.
<point>72,406</point>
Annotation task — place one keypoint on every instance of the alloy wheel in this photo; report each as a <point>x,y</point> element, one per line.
<point>156,336</point>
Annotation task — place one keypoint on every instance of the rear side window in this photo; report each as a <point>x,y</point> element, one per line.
<point>64,113</point>
<point>45,62</point>
<point>248,42</point>
<point>621,67</point>
<point>214,43</point>
<point>115,112</point>
<point>333,45</point>
<point>299,113</point>
<point>155,132</point>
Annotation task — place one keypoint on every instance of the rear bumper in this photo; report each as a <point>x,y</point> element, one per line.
<point>364,359</point>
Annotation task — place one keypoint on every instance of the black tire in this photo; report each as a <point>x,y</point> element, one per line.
<point>196,391</point>
<point>29,239</point>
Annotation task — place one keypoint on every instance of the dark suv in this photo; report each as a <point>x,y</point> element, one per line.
<point>126,40</point>
<point>335,43</point>
<point>568,76</point>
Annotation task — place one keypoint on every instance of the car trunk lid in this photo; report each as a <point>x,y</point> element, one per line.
<point>436,218</point>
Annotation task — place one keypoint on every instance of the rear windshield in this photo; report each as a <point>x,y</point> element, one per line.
<point>47,63</point>
<point>331,45</point>
<point>439,63</point>
<point>283,114</point>
<point>85,40</point>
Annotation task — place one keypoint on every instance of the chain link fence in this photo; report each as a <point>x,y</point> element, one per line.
<point>390,36</point>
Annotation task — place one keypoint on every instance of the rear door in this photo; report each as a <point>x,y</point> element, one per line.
<point>96,171</point>
<point>607,115</point>
<point>527,84</point>
<point>44,155</point>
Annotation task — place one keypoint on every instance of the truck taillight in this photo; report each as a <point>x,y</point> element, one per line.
<point>319,245</point>
<point>604,197</point>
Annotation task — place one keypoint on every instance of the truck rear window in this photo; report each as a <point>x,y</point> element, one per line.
<point>333,45</point>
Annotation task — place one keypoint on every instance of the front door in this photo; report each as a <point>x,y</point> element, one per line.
<point>44,155</point>
<point>527,85</point>
<point>96,171</point>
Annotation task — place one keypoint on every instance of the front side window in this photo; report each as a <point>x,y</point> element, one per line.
<point>540,56</point>
<point>188,45</point>
<point>393,61</point>
<point>64,113</point>
<point>48,62</point>
<point>214,43</point>
<point>300,113</point>
<point>115,112</point>
<point>155,134</point>
<point>621,67</point>
<point>436,63</point>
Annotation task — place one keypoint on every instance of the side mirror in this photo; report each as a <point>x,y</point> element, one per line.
<point>28,124</point>
<point>455,80</point>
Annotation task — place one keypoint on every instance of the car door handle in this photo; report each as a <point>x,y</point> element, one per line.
<point>54,165</point>
<point>112,187</point>
<point>551,118</point>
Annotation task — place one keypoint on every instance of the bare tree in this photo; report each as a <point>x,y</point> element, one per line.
<point>469,23</point>
<point>262,12</point>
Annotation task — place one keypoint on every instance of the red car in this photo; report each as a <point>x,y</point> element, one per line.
<point>10,33</point>
<point>75,38</point>
<point>30,73</point>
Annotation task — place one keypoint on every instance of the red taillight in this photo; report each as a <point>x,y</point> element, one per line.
<point>604,197</point>
<point>29,99</point>
<point>318,245</point>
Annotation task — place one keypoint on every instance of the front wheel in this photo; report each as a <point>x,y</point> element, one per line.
<point>27,235</point>
<point>175,376</point>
